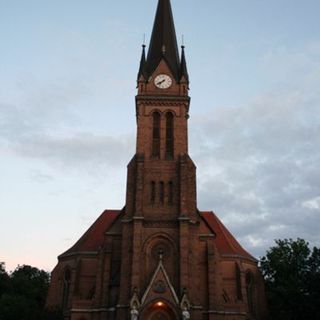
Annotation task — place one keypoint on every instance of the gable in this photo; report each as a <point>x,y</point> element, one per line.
<point>160,287</point>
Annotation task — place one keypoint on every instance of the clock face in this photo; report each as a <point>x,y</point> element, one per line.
<point>163,81</point>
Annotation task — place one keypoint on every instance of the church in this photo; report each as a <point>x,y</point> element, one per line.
<point>159,258</point>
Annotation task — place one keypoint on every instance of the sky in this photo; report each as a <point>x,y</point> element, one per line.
<point>67,117</point>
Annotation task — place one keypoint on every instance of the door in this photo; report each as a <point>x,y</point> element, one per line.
<point>160,315</point>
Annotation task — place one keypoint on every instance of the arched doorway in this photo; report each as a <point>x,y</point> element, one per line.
<point>160,315</point>
<point>159,310</point>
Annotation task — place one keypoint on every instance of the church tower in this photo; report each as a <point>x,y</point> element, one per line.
<point>159,258</point>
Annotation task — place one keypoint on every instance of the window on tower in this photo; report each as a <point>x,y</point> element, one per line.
<point>152,192</point>
<point>170,193</point>
<point>156,135</point>
<point>169,135</point>
<point>161,192</point>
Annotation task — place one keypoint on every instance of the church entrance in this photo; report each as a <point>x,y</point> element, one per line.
<point>159,311</point>
<point>160,315</point>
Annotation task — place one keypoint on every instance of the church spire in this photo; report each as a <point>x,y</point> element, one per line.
<point>183,68</point>
<point>142,62</point>
<point>163,43</point>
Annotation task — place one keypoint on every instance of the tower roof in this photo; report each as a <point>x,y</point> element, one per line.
<point>184,69</point>
<point>142,63</point>
<point>163,43</point>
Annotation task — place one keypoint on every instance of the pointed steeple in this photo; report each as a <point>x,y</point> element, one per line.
<point>163,43</point>
<point>183,67</point>
<point>142,62</point>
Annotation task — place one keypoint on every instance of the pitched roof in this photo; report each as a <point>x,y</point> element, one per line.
<point>163,43</point>
<point>226,243</point>
<point>94,236</point>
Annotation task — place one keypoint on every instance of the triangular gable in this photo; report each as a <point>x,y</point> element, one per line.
<point>160,276</point>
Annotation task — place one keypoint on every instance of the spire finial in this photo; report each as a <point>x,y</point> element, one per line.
<point>144,41</point>
<point>142,62</point>
<point>183,66</point>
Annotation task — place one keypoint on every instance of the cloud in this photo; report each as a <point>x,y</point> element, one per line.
<point>80,150</point>
<point>46,123</point>
<point>259,163</point>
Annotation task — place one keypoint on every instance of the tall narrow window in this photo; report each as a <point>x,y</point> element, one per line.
<point>238,280</point>
<point>156,135</point>
<point>250,293</point>
<point>169,136</point>
<point>170,193</point>
<point>152,192</point>
<point>77,277</point>
<point>161,192</point>
<point>66,288</point>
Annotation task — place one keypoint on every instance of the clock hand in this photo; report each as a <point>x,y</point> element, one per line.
<point>161,82</point>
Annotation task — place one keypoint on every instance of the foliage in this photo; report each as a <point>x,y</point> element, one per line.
<point>292,274</point>
<point>23,293</point>
<point>4,279</point>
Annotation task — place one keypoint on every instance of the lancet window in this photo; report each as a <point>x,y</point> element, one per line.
<point>238,281</point>
<point>250,291</point>
<point>156,135</point>
<point>152,192</point>
<point>170,193</point>
<point>161,192</point>
<point>169,135</point>
<point>66,288</point>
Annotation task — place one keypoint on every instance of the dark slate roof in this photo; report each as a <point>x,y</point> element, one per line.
<point>142,63</point>
<point>163,43</point>
<point>183,68</point>
<point>226,244</point>
<point>92,240</point>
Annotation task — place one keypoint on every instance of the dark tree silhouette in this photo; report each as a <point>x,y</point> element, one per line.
<point>23,294</point>
<point>292,274</point>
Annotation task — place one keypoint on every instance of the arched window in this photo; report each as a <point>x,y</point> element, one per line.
<point>152,192</point>
<point>66,288</point>
<point>161,192</point>
<point>238,282</point>
<point>169,135</point>
<point>156,135</point>
<point>249,289</point>
<point>170,193</point>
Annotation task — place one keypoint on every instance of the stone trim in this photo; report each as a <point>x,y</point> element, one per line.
<point>220,312</point>
<point>82,253</point>
<point>92,310</point>
<point>160,267</point>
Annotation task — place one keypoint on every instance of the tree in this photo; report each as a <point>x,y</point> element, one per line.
<point>4,279</point>
<point>24,293</point>
<point>292,274</point>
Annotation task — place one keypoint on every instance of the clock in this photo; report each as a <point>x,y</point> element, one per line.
<point>163,81</point>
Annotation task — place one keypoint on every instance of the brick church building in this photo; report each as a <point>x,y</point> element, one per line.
<point>159,258</point>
